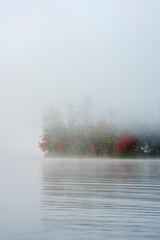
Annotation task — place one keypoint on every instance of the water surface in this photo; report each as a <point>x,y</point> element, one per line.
<point>79,199</point>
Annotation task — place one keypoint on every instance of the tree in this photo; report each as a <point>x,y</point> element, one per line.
<point>43,145</point>
<point>127,144</point>
<point>53,129</point>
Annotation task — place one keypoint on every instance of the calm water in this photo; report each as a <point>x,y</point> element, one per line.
<point>79,199</point>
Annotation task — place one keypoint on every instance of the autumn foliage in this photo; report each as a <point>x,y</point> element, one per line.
<point>78,134</point>
<point>43,145</point>
<point>126,143</point>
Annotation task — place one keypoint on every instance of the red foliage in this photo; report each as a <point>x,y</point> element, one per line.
<point>60,144</point>
<point>93,147</point>
<point>60,147</point>
<point>126,143</point>
<point>43,145</point>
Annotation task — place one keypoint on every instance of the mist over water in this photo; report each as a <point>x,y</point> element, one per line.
<point>57,51</point>
<point>79,199</point>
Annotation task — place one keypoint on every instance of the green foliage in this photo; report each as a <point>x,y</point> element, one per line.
<point>78,134</point>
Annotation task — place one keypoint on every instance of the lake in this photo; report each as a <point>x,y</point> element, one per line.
<point>79,199</point>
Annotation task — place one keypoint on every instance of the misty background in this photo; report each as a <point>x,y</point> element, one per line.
<point>57,51</point>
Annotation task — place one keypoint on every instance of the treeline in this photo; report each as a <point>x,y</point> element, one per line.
<point>77,134</point>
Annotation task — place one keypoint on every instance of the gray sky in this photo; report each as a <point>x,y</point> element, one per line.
<point>57,50</point>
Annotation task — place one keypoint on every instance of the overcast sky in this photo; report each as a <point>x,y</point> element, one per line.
<point>57,50</point>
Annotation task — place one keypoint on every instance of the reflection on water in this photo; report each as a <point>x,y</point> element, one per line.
<point>95,199</point>
<point>79,199</point>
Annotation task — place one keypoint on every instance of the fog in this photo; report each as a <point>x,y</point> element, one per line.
<point>57,51</point>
